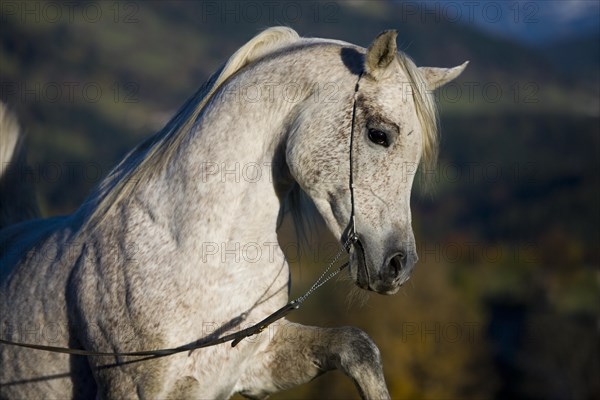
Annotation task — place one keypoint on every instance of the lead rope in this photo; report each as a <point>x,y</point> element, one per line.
<point>237,337</point>
<point>322,279</point>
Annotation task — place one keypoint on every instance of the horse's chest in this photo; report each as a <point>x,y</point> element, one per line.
<point>213,372</point>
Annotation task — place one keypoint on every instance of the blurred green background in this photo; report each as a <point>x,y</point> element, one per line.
<point>505,300</point>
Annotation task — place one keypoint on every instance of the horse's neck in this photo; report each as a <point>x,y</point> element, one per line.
<point>219,186</point>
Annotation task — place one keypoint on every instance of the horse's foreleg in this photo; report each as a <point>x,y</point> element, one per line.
<point>297,354</point>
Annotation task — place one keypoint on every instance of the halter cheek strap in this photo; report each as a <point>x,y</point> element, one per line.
<point>352,234</point>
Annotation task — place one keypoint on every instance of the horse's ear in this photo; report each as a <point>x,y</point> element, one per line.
<point>436,77</point>
<point>381,53</point>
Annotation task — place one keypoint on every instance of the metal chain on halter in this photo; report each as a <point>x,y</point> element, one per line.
<point>237,337</point>
<point>295,304</point>
<point>322,279</point>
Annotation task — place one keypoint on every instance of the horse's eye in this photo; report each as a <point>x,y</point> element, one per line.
<point>378,137</point>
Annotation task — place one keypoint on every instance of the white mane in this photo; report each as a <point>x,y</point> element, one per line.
<point>154,153</point>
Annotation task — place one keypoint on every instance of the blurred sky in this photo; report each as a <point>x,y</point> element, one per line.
<point>539,22</point>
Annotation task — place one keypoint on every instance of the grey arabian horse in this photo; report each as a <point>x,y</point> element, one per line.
<point>130,269</point>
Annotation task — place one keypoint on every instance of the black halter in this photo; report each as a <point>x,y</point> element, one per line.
<point>352,234</point>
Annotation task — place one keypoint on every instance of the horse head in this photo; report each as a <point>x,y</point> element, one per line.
<point>356,157</point>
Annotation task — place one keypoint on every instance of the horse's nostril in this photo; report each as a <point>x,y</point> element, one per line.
<point>396,263</point>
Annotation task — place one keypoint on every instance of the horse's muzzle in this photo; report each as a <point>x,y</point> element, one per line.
<point>388,277</point>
